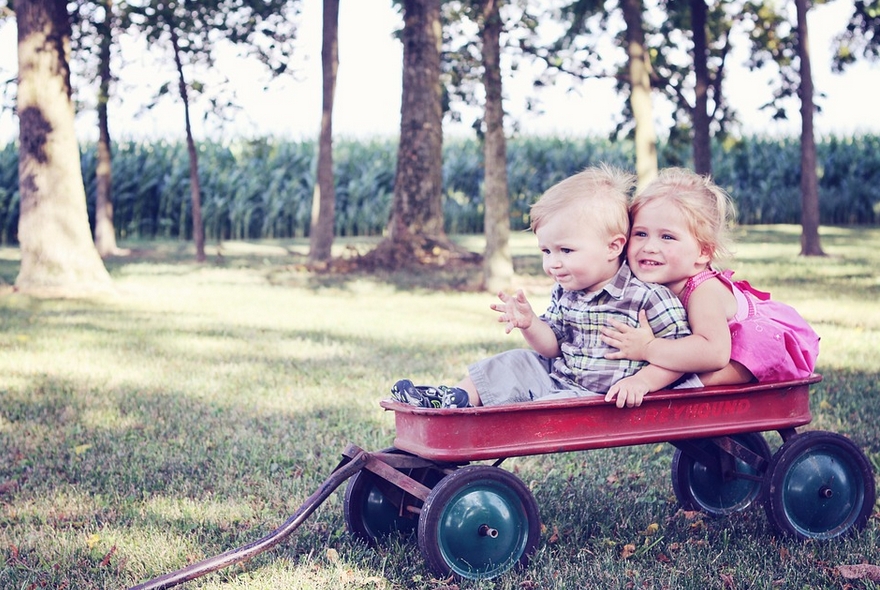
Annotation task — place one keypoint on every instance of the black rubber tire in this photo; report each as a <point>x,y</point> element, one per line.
<point>371,514</point>
<point>820,485</point>
<point>477,523</point>
<point>699,488</point>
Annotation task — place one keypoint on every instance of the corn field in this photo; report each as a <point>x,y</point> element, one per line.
<point>263,188</point>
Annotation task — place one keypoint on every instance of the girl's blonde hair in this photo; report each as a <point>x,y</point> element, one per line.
<point>707,209</point>
<point>600,195</point>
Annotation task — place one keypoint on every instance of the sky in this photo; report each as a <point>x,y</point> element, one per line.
<point>369,86</point>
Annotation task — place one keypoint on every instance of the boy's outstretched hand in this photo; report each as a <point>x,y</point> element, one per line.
<point>515,310</point>
<point>631,343</point>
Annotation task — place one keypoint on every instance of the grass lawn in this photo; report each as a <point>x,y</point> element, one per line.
<point>196,411</point>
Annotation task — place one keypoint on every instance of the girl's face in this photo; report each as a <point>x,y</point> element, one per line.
<point>576,255</point>
<point>661,247</point>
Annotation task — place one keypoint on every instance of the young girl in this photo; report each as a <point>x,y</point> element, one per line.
<point>680,223</point>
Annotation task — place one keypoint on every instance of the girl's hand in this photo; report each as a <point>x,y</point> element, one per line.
<point>515,310</point>
<point>629,392</point>
<point>631,343</point>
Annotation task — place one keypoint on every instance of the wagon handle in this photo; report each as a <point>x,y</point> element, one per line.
<point>354,461</point>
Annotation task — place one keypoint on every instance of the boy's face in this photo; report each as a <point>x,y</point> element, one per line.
<point>577,255</point>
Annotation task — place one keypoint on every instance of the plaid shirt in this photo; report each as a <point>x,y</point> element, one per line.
<point>576,316</point>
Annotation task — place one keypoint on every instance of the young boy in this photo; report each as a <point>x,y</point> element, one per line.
<point>581,225</point>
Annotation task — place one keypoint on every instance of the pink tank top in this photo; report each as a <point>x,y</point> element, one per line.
<point>745,306</point>
<point>768,337</point>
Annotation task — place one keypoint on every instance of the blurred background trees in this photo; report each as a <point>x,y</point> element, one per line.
<point>456,54</point>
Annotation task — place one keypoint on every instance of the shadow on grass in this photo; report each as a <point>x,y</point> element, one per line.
<point>166,467</point>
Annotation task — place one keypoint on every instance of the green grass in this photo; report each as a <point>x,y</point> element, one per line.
<point>195,412</point>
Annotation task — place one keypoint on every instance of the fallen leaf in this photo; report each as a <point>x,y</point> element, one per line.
<point>727,580</point>
<point>106,561</point>
<point>332,555</point>
<point>555,536</point>
<point>862,571</point>
<point>628,551</point>
<point>80,449</point>
<point>93,540</point>
<point>651,529</point>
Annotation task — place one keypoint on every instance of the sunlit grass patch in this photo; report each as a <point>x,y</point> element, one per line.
<point>199,408</point>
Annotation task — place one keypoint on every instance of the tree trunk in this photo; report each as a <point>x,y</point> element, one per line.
<point>105,232</point>
<point>702,139</point>
<point>58,256</point>
<point>639,65</point>
<point>195,189</point>
<point>810,244</point>
<point>324,198</point>
<point>497,260</point>
<point>415,228</point>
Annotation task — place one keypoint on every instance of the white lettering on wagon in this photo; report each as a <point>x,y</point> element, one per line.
<point>694,411</point>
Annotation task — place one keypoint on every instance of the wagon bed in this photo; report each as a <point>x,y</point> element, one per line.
<point>491,432</point>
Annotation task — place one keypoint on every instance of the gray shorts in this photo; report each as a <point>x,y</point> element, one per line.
<point>518,375</point>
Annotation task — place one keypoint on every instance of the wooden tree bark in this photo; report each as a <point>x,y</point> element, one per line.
<point>639,66</point>
<point>702,148</point>
<point>105,231</point>
<point>324,198</point>
<point>497,259</point>
<point>195,187</point>
<point>58,257</point>
<point>415,234</point>
<point>810,243</point>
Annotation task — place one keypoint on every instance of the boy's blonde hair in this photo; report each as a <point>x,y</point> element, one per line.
<point>707,208</point>
<point>600,195</point>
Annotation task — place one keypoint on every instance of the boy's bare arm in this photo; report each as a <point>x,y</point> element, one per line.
<point>516,312</point>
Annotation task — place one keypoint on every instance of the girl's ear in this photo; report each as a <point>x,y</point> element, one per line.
<point>706,255</point>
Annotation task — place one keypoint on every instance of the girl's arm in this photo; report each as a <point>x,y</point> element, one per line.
<point>706,349</point>
<point>630,391</point>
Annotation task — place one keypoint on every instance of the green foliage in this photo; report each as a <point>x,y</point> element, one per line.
<point>262,189</point>
<point>9,196</point>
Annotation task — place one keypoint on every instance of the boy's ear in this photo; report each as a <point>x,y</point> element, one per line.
<point>616,246</point>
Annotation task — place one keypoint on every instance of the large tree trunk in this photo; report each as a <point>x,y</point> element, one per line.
<point>415,234</point>
<point>810,244</point>
<point>195,187</point>
<point>58,256</point>
<point>105,232</point>
<point>324,198</point>
<point>702,139</point>
<point>639,65</point>
<point>497,260</point>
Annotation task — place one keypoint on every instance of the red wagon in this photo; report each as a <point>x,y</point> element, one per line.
<point>479,520</point>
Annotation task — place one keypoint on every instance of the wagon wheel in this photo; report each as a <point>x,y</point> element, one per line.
<point>700,487</point>
<point>477,523</point>
<point>819,486</point>
<point>372,506</point>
